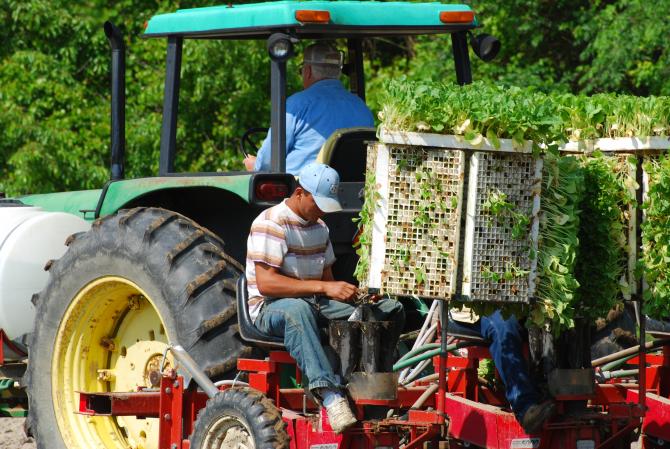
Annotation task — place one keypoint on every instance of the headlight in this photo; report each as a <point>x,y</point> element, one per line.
<point>280,47</point>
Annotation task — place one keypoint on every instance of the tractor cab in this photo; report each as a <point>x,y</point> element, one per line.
<point>283,25</point>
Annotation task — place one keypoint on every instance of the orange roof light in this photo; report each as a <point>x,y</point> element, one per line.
<point>457,16</point>
<point>309,16</point>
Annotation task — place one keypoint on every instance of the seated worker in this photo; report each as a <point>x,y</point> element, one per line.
<point>291,285</point>
<point>313,114</point>
<point>506,351</point>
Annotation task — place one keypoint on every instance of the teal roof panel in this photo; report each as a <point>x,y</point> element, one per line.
<point>259,18</point>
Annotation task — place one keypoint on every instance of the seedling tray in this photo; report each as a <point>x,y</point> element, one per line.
<point>423,244</point>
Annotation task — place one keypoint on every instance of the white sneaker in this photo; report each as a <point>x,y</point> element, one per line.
<point>340,415</point>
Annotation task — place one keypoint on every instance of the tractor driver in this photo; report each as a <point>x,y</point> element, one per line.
<point>313,114</point>
<point>291,285</point>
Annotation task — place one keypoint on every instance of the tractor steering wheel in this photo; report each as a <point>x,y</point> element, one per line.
<point>247,145</point>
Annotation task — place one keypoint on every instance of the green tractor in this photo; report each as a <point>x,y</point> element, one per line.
<point>145,263</point>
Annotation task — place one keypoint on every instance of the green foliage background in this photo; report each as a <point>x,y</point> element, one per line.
<point>54,78</point>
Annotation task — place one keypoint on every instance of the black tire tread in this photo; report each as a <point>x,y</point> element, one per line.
<point>125,215</point>
<point>185,246</point>
<point>206,279</point>
<point>195,288</point>
<point>72,237</point>
<point>159,223</point>
<point>260,414</point>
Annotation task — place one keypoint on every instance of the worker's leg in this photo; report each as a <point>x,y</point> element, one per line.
<point>384,310</point>
<point>506,350</point>
<point>296,320</point>
<point>332,309</point>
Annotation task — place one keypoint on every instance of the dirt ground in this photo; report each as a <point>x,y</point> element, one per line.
<point>12,436</point>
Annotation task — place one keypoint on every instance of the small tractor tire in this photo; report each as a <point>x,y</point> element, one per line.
<point>239,418</point>
<point>135,282</point>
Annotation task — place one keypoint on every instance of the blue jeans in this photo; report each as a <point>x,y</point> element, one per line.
<point>298,320</point>
<point>506,350</point>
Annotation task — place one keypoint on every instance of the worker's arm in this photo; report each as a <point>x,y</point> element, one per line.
<point>271,282</point>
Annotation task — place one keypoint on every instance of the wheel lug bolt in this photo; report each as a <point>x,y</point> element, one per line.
<point>106,375</point>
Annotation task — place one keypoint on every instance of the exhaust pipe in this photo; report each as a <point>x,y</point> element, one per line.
<point>118,126</point>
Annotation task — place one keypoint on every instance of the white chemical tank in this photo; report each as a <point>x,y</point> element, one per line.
<point>29,237</point>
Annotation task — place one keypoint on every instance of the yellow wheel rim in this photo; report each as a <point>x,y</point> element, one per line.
<point>111,338</point>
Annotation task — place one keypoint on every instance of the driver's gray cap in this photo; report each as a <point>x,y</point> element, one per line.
<point>323,54</point>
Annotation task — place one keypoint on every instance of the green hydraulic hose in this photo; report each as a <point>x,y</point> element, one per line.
<point>617,363</point>
<point>419,350</point>
<point>619,373</point>
<point>649,347</point>
<point>411,361</point>
<point>629,351</point>
<point>404,363</point>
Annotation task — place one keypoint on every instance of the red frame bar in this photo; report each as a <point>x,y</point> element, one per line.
<point>175,407</point>
<point>256,365</point>
<point>143,404</point>
<point>470,421</point>
<point>607,394</point>
<point>657,416</point>
<point>4,340</point>
<point>171,406</point>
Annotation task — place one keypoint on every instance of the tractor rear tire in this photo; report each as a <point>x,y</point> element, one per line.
<point>239,417</point>
<point>133,283</point>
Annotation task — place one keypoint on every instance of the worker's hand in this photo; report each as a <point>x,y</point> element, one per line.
<point>249,162</point>
<point>375,298</point>
<point>340,290</point>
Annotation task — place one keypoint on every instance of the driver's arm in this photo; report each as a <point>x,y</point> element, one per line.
<point>262,159</point>
<point>249,162</point>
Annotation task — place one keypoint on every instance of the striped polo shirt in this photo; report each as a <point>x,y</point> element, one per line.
<point>281,239</point>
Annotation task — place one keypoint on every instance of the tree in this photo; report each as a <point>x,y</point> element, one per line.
<point>626,48</point>
<point>54,78</point>
<point>565,46</point>
<point>55,94</point>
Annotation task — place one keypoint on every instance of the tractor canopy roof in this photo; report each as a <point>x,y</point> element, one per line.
<point>313,19</point>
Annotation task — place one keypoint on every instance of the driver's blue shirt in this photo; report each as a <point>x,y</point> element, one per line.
<point>312,115</point>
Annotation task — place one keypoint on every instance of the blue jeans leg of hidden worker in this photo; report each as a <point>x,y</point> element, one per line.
<point>506,351</point>
<point>298,320</point>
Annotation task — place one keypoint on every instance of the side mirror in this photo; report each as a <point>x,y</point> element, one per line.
<point>485,46</point>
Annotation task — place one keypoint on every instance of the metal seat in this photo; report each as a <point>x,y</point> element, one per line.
<point>248,331</point>
<point>251,334</point>
<point>346,151</point>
